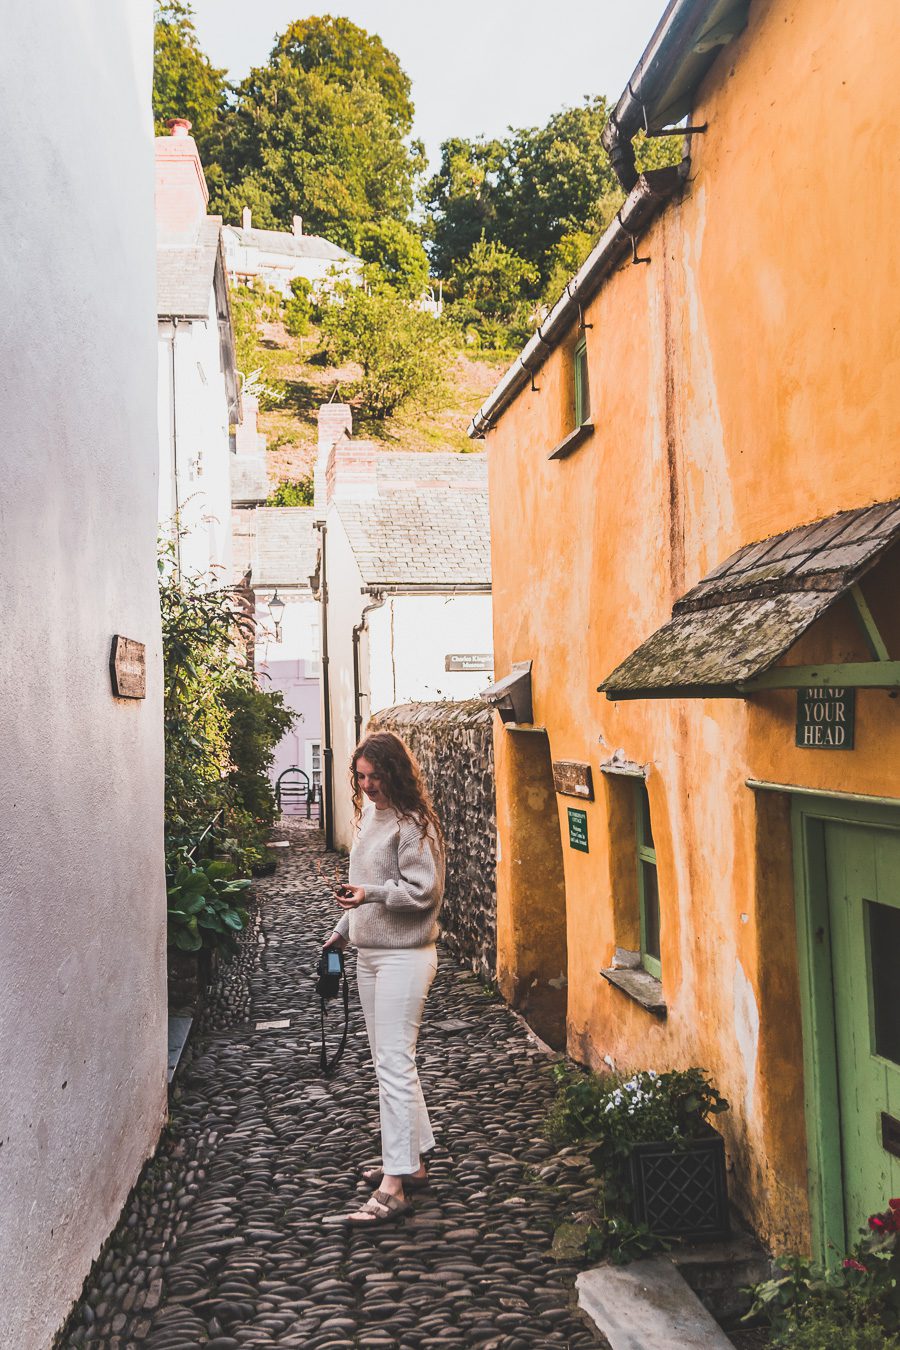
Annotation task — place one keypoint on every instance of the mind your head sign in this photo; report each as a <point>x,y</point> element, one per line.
<point>826,719</point>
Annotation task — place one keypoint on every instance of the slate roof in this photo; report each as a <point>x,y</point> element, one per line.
<point>249,480</point>
<point>185,272</point>
<point>294,245</point>
<point>403,468</point>
<point>279,543</point>
<point>743,616</point>
<point>438,537</point>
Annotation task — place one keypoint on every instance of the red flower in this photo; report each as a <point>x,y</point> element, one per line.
<point>876,1223</point>
<point>851,1264</point>
<point>895,1205</point>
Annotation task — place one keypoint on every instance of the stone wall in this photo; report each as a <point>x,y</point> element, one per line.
<point>454,744</point>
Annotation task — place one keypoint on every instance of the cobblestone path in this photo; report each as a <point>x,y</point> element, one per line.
<point>222,1244</point>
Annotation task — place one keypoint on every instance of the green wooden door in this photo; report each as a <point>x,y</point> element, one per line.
<point>863,882</point>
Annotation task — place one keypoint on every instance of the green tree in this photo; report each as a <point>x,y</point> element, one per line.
<point>343,53</point>
<point>299,140</point>
<point>552,181</point>
<point>185,82</point>
<point>395,256</point>
<point>402,350</point>
<point>460,200</point>
<point>493,279</point>
<point>298,310</point>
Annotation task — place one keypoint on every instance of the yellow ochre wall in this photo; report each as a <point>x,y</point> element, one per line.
<point>745,382</point>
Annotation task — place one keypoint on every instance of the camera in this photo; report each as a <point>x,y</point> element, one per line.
<point>329,971</point>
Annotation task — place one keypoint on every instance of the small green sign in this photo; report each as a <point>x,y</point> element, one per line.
<point>578,829</point>
<point>826,719</point>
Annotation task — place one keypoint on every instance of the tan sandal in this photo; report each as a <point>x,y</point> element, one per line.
<point>373,1176</point>
<point>382,1207</point>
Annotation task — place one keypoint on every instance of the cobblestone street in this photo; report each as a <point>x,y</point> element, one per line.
<point>223,1243</point>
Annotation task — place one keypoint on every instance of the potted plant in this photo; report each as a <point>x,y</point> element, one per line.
<point>653,1146</point>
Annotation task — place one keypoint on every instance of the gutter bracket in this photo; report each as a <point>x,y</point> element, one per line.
<point>665,131</point>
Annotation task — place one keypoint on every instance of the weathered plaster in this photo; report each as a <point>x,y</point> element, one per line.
<point>743,383</point>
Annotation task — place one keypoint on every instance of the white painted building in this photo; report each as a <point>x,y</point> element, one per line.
<point>405,559</point>
<point>276,257</point>
<point>275,550</point>
<point>198,392</point>
<point>82,885</point>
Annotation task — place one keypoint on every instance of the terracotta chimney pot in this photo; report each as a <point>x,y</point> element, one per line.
<point>179,126</point>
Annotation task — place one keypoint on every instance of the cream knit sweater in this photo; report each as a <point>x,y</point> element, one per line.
<point>403,877</point>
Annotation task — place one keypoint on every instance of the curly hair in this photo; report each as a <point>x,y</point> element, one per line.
<point>401,780</point>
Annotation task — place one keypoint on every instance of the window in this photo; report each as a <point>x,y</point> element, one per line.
<point>314,751</point>
<point>648,885</point>
<point>582,391</point>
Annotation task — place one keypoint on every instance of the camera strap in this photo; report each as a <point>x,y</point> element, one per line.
<point>328,1066</point>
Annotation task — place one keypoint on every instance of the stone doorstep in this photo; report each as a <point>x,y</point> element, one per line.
<point>648,1305</point>
<point>720,1272</point>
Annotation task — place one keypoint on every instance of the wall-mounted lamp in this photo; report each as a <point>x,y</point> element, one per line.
<point>276,609</point>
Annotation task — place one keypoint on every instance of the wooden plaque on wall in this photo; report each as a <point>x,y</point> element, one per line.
<point>128,668</point>
<point>572,779</point>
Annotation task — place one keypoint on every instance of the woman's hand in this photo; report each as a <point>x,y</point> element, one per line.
<point>336,941</point>
<point>350,897</point>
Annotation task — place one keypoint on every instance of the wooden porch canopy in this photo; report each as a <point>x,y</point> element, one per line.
<point>727,633</point>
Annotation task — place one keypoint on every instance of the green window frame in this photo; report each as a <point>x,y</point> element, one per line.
<point>582,389</point>
<point>648,883</point>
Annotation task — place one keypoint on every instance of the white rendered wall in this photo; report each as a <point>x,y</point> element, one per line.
<point>203,445</point>
<point>82,892</point>
<point>345,604</point>
<point>409,640</point>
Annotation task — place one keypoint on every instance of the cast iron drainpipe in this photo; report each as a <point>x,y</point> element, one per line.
<point>358,629</point>
<point>175,452</point>
<point>327,749</point>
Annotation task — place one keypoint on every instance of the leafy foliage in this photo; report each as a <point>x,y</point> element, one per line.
<point>343,53</point>
<point>395,257</point>
<point>220,731</point>
<point>185,83</point>
<point>401,349</point>
<point>490,284</point>
<point>298,310</point>
<point>855,1304</point>
<point>203,901</point>
<point>298,492</point>
<point>299,140</point>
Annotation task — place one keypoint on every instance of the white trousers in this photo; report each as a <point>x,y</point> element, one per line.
<point>393,986</point>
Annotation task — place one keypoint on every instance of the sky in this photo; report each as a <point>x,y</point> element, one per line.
<point>477,66</point>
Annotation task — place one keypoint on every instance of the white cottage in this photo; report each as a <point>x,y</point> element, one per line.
<point>198,389</point>
<point>404,582</point>
<point>276,257</point>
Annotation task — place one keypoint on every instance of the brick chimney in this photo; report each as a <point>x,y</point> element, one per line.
<point>246,217</point>
<point>181,191</point>
<point>350,473</point>
<point>335,420</point>
<point>298,226</point>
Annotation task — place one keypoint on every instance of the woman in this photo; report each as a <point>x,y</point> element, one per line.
<point>391,905</point>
